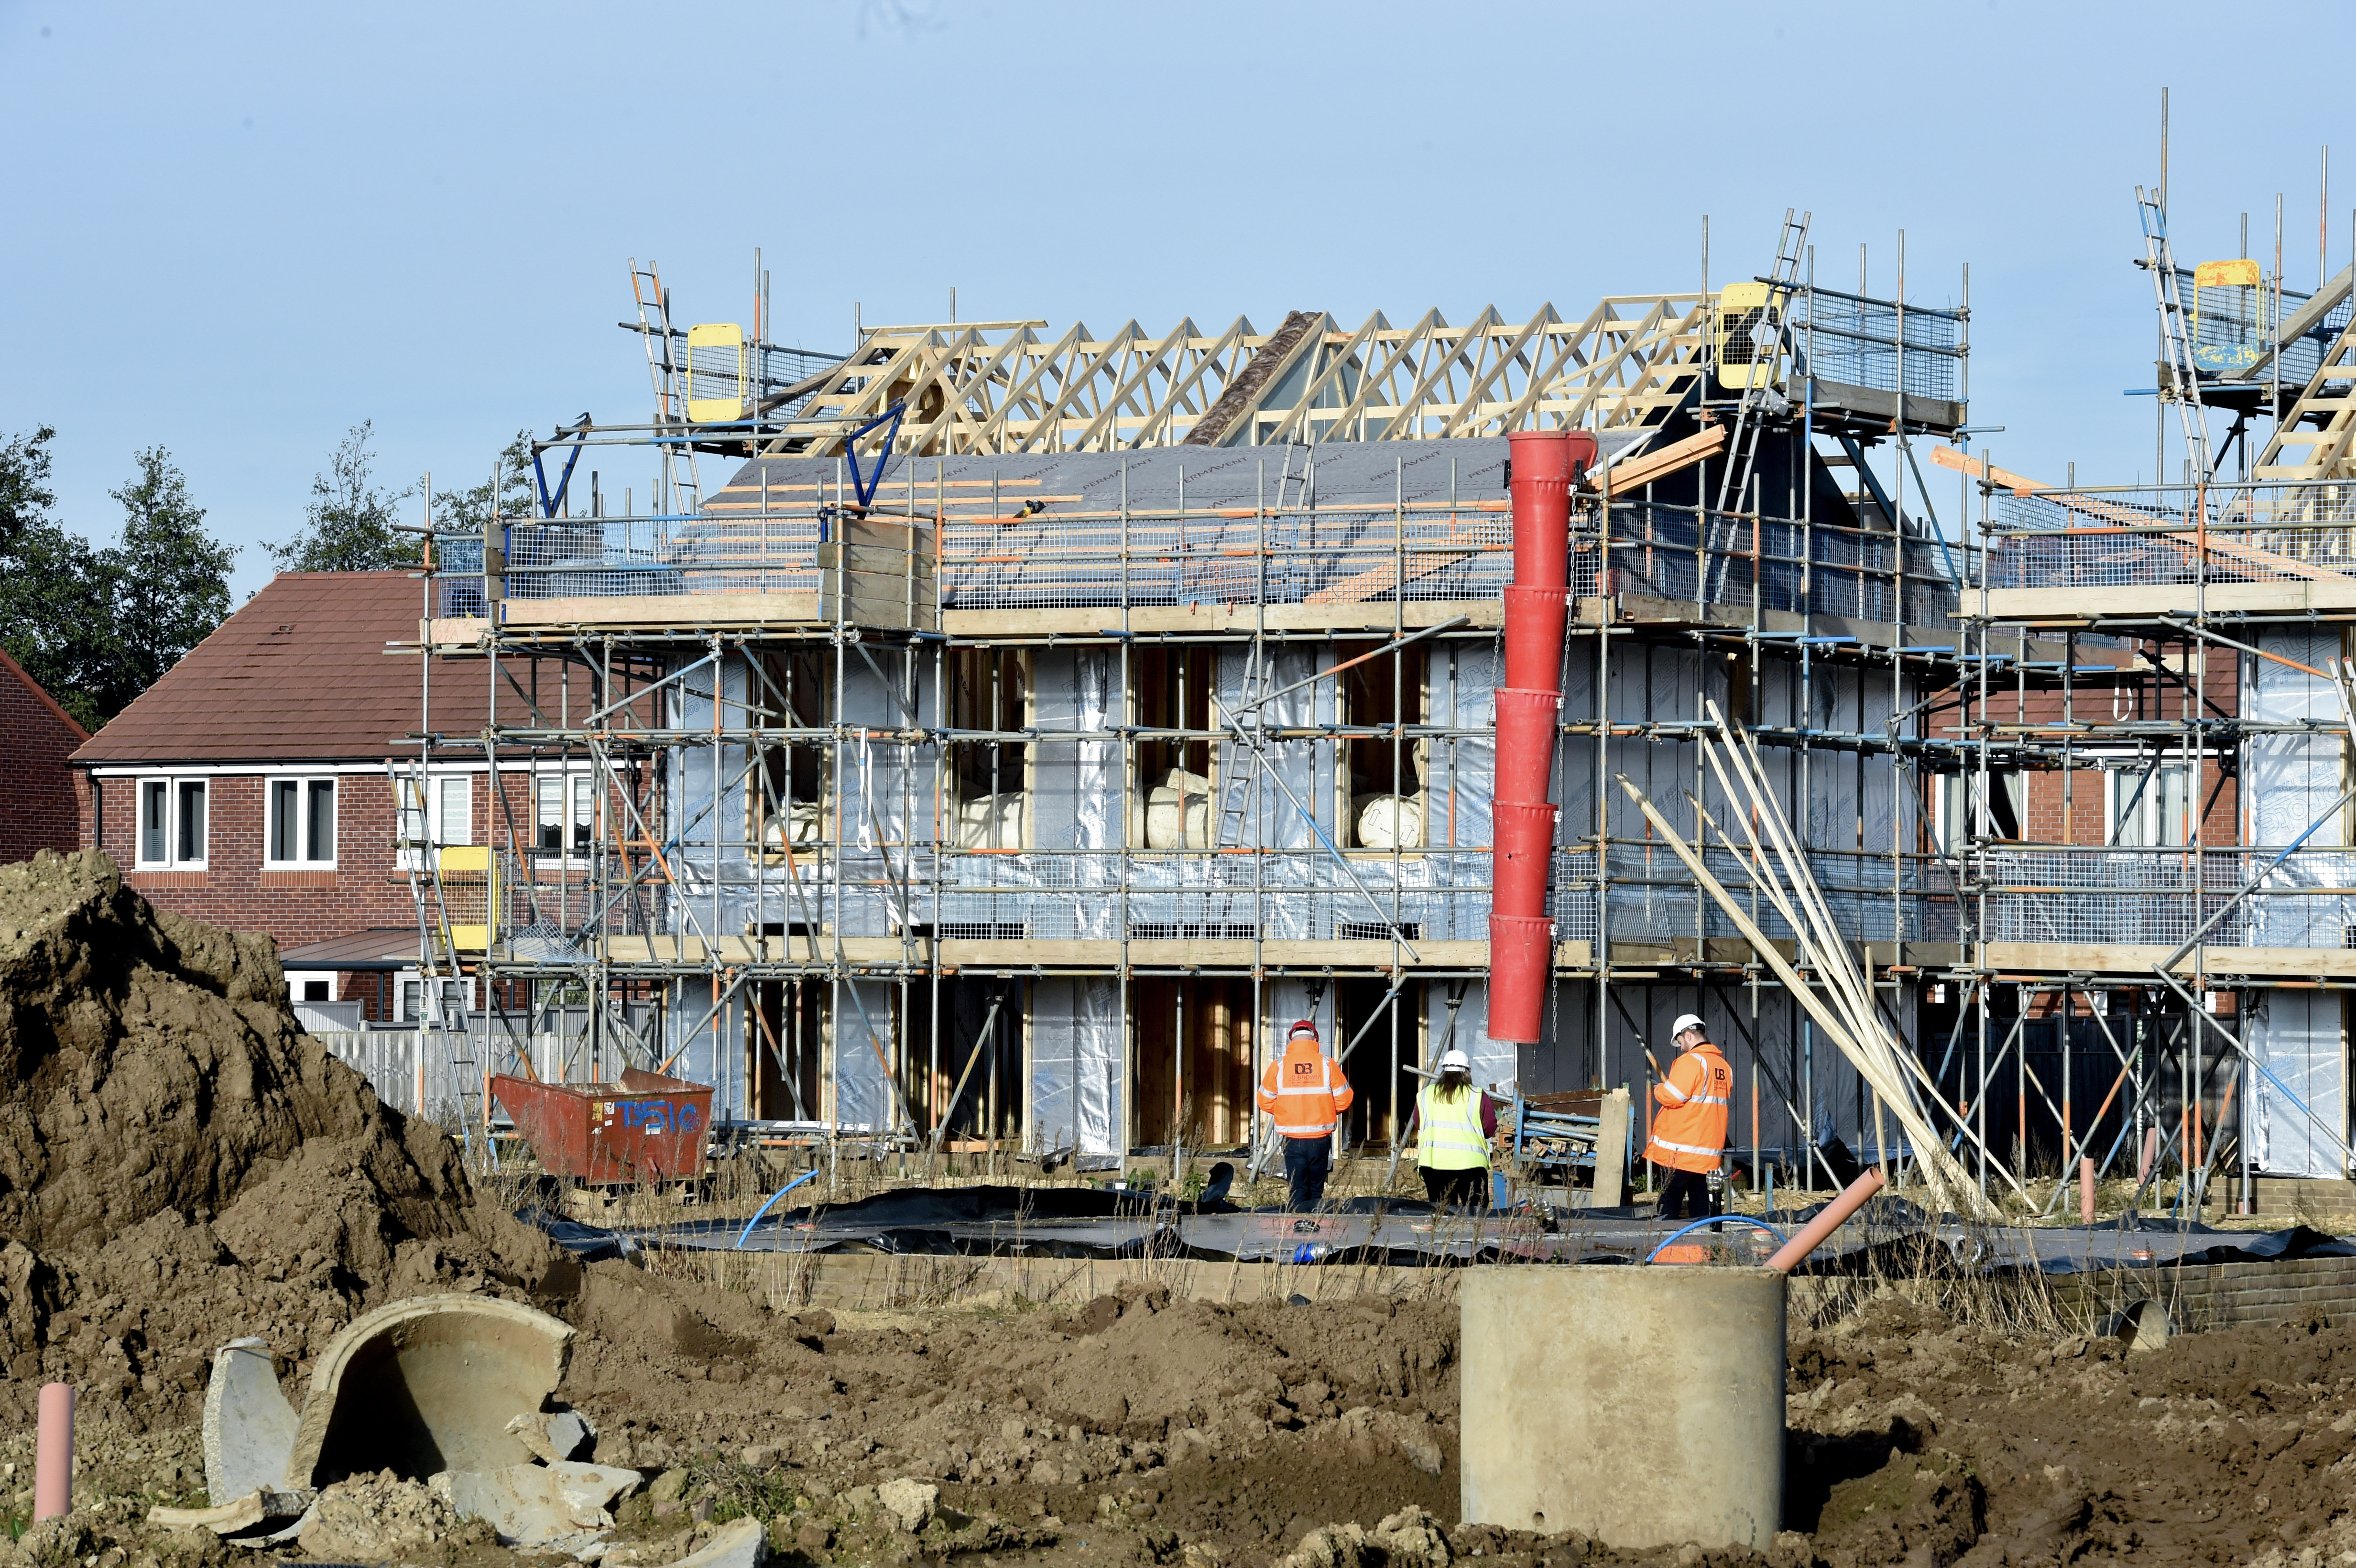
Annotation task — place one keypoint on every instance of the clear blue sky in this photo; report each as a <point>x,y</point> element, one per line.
<point>236,230</point>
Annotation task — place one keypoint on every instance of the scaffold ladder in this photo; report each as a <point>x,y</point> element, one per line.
<point>2175,332</point>
<point>2330,400</point>
<point>1769,334</point>
<point>681,492</point>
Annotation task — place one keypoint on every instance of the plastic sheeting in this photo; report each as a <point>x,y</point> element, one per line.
<point>703,1047</point>
<point>2300,1036</point>
<point>1077,781</point>
<point>1462,779</point>
<point>706,800</point>
<point>864,1034</point>
<point>2288,781</point>
<point>1078,1052</point>
<point>1268,818</point>
<point>887,789</point>
<point>1495,1062</point>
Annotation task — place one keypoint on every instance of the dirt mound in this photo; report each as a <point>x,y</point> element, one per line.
<point>180,1164</point>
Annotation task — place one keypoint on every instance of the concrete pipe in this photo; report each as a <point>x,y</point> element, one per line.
<point>1640,1406</point>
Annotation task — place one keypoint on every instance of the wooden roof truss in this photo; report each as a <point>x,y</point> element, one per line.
<point>1007,387</point>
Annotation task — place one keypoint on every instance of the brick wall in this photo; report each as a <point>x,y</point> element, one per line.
<point>365,889</point>
<point>2202,1296</point>
<point>35,741</point>
<point>2076,812</point>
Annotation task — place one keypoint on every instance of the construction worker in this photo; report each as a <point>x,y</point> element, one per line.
<point>1304,1093</point>
<point>1454,1123</point>
<point>1689,1132</point>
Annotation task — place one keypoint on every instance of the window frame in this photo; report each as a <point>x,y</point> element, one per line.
<point>409,996</point>
<point>438,781</point>
<point>305,787</point>
<point>175,788</point>
<point>576,827</point>
<point>2118,786</point>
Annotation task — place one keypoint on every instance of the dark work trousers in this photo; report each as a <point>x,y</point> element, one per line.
<point>1465,1191</point>
<point>1685,1194</point>
<point>1307,1162</point>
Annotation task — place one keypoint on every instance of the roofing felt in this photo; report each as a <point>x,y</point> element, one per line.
<point>298,675</point>
<point>1369,474</point>
<point>382,948</point>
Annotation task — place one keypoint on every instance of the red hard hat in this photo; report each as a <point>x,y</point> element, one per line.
<point>1299,1028</point>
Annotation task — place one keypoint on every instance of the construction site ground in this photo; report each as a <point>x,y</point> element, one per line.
<point>182,1165</point>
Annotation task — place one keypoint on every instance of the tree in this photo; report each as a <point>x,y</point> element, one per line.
<point>170,577</point>
<point>509,486</point>
<point>56,591</point>
<point>349,525</point>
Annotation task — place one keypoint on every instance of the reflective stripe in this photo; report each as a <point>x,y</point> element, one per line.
<point>1282,1091</point>
<point>1449,1136</point>
<point>1706,1100</point>
<point>1660,1142</point>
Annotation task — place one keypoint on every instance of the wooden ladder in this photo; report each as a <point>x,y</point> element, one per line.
<point>2323,421</point>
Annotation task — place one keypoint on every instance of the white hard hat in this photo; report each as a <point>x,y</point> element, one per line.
<point>1457,1058</point>
<point>1685,1021</point>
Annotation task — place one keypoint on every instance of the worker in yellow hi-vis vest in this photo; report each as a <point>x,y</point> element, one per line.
<point>1454,1123</point>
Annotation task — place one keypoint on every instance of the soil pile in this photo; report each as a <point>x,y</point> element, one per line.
<point>180,1164</point>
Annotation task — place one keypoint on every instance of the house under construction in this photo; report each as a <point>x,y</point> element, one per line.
<point>996,736</point>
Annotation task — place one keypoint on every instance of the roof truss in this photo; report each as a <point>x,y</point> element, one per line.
<point>1006,387</point>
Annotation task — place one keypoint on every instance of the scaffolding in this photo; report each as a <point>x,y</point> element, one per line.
<point>2148,769</point>
<point>1027,728</point>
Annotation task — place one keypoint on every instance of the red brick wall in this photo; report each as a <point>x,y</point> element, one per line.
<point>364,890</point>
<point>2097,700</point>
<point>35,741</point>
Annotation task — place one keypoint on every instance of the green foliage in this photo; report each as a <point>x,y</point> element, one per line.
<point>170,577</point>
<point>56,590</point>
<point>97,626</point>
<point>508,488</point>
<point>739,1492</point>
<point>349,522</point>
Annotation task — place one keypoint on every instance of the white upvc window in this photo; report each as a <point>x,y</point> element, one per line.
<point>564,815</point>
<point>1963,811</point>
<point>2152,803</point>
<point>438,812</point>
<point>443,1002</point>
<point>300,832</point>
<point>172,824</point>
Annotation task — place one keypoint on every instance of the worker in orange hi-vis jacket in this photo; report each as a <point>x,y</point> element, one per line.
<point>1305,1094</point>
<point>1689,1133</point>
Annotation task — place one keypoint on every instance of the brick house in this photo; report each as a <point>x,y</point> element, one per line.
<point>37,737</point>
<point>253,786</point>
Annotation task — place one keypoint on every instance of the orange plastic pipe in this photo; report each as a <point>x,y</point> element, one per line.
<point>1811,1236</point>
<point>53,1454</point>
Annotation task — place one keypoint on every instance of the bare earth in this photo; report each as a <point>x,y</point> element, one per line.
<point>178,1165</point>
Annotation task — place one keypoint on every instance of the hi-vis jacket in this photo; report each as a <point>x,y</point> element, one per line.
<point>1450,1135</point>
<point>1690,1132</point>
<point>1304,1093</point>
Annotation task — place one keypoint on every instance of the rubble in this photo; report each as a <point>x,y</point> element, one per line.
<point>911,1502</point>
<point>249,1426</point>
<point>562,1507</point>
<point>369,1519</point>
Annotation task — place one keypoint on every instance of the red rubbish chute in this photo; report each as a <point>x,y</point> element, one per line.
<point>1546,464</point>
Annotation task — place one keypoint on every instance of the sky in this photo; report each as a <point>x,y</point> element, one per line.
<point>238,231</point>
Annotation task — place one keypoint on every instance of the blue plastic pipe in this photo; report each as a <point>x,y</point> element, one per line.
<point>744,1235</point>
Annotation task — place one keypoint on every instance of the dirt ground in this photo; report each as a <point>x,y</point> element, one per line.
<point>178,1165</point>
